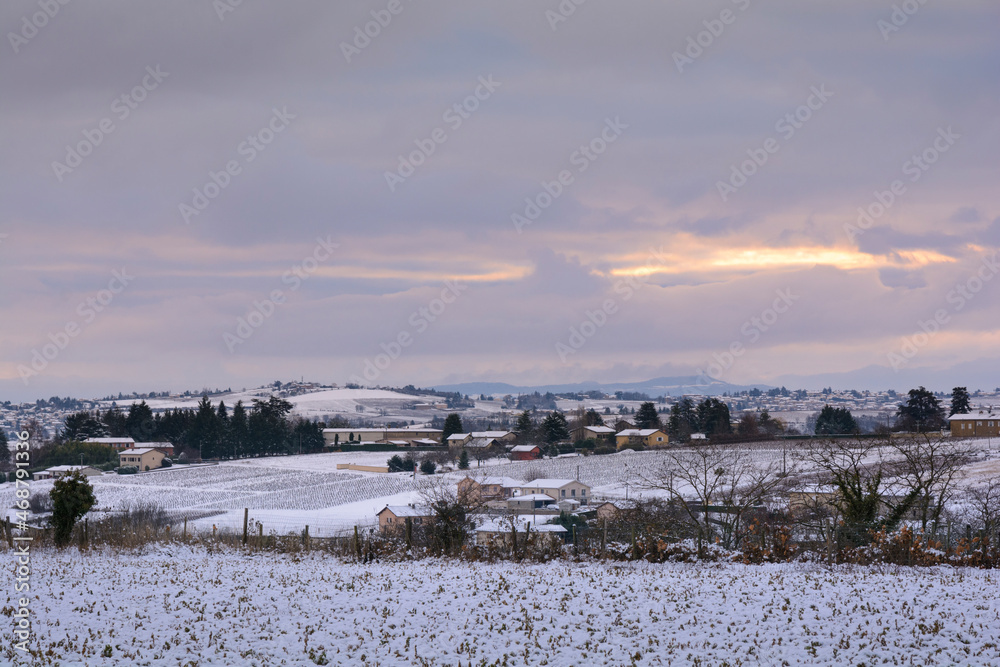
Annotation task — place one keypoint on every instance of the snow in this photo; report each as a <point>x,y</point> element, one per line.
<point>179,605</point>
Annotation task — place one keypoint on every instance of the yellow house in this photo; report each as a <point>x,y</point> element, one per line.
<point>982,424</point>
<point>650,437</point>
<point>143,459</point>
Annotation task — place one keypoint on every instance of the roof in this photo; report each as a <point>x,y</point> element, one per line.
<point>153,445</point>
<point>139,452</point>
<point>459,436</point>
<point>109,440</point>
<point>641,432</point>
<point>533,497</point>
<point>521,523</point>
<point>525,448</point>
<point>600,429</point>
<point>549,483</point>
<point>508,482</point>
<point>68,468</point>
<point>480,443</point>
<point>980,415</point>
<point>405,510</point>
<point>489,434</point>
<point>424,441</point>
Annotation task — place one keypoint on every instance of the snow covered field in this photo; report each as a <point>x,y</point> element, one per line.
<point>181,606</point>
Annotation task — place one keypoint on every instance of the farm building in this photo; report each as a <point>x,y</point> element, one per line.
<point>55,472</point>
<point>498,533</point>
<point>117,443</point>
<point>529,502</point>
<point>335,437</point>
<point>525,452</point>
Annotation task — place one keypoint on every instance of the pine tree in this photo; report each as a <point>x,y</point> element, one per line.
<point>525,428</point>
<point>555,428</point>
<point>452,425</point>
<point>835,421</point>
<point>647,417</point>
<point>960,401</point>
<point>921,412</point>
<point>463,460</point>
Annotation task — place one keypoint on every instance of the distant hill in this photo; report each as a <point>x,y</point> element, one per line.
<point>663,386</point>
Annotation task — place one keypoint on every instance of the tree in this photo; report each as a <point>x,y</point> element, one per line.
<point>72,497</point>
<point>921,412</point>
<point>647,416</point>
<point>525,428</point>
<point>139,423</point>
<point>206,429</point>
<point>427,467</point>
<point>713,417</point>
<point>395,463</point>
<point>683,420</point>
<point>452,425</point>
<point>929,468</point>
<point>463,460</point>
<point>591,418</point>
<point>82,425</point>
<point>835,421</point>
<point>238,431</point>
<point>4,451</point>
<point>555,428</point>
<point>959,401</point>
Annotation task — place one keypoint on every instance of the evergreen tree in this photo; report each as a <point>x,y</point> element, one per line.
<point>683,420</point>
<point>555,428</point>
<point>921,412</point>
<point>835,421</point>
<point>72,497</point>
<point>452,425</point>
<point>206,430</point>
<point>4,451</point>
<point>525,428</point>
<point>114,421</point>
<point>82,425</point>
<point>238,431</point>
<point>139,424</point>
<point>713,417</point>
<point>960,401</point>
<point>591,418</point>
<point>463,460</point>
<point>428,467</point>
<point>647,416</point>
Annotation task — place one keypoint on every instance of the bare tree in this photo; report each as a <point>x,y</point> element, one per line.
<point>453,515</point>
<point>929,467</point>
<point>717,489</point>
<point>984,506</point>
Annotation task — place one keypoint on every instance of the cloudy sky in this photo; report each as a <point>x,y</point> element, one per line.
<point>198,194</point>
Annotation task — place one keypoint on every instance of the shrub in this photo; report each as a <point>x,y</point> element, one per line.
<point>40,503</point>
<point>428,467</point>
<point>127,470</point>
<point>166,463</point>
<point>72,497</point>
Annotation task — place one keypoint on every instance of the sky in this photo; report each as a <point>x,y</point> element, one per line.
<point>221,194</point>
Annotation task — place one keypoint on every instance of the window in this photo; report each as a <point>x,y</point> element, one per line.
<point>573,493</point>
<point>583,492</point>
<point>563,492</point>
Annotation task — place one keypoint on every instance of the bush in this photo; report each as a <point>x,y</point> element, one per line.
<point>128,470</point>
<point>72,497</point>
<point>110,465</point>
<point>40,503</point>
<point>428,467</point>
<point>166,463</point>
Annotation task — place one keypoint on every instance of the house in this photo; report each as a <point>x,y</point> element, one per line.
<point>529,502</point>
<point>647,437</point>
<point>143,459</point>
<point>623,423</point>
<point>557,489</point>
<point>488,488</point>
<point>164,447</point>
<point>568,505</point>
<point>975,425</point>
<point>458,439</point>
<point>607,511</point>
<point>525,452</point>
<point>502,436</point>
<point>117,443</point>
<point>464,439</point>
<point>55,472</point>
<point>392,518</point>
<point>334,437</point>
<point>598,433</point>
<point>498,533</point>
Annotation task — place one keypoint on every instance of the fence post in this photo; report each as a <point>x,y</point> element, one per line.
<point>86,532</point>
<point>10,533</point>
<point>409,532</point>
<point>604,540</point>
<point>357,543</point>
<point>184,535</point>
<point>246,516</point>
<point>260,535</point>
<point>305,537</point>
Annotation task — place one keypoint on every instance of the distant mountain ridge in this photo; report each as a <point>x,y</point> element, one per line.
<point>662,386</point>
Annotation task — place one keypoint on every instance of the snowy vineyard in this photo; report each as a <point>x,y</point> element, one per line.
<point>181,606</point>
